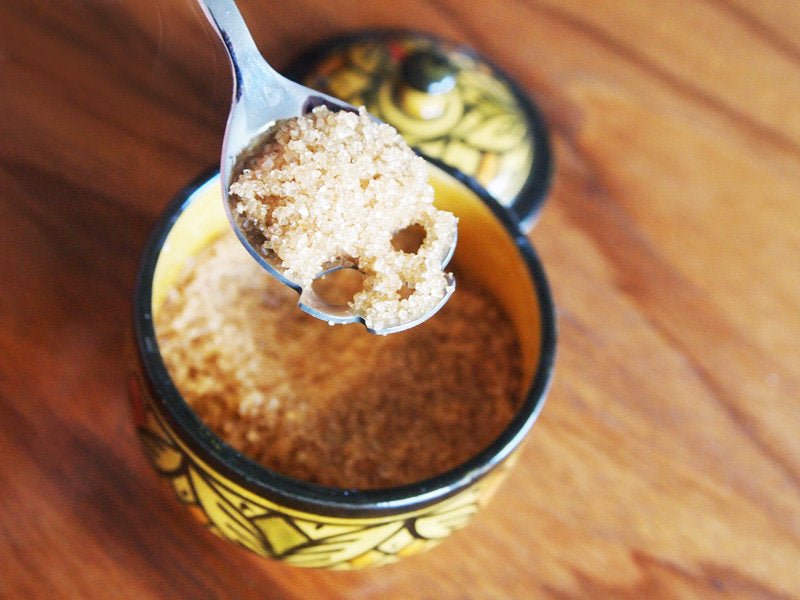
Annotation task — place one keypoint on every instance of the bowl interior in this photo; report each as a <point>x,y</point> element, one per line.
<point>484,249</point>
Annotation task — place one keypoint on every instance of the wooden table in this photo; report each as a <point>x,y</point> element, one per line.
<point>667,461</point>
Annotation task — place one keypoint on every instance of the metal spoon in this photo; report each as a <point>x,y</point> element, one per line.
<point>261,96</point>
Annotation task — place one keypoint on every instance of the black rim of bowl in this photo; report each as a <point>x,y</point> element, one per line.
<point>529,200</point>
<point>309,497</point>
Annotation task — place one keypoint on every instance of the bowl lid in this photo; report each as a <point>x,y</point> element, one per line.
<point>448,102</point>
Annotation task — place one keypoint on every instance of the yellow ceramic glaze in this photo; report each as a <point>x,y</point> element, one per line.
<point>264,526</point>
<point>298,538</point>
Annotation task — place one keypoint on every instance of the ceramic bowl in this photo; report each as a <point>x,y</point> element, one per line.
<point>298,522</point>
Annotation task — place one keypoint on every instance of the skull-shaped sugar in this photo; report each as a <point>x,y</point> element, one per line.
<point>334,189</point>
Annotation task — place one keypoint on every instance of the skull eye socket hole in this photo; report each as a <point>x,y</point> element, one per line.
<point>337,288</point>
<point>405,291</point>
<point>409,239</point>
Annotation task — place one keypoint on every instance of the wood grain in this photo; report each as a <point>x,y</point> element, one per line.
<point>667,461</point>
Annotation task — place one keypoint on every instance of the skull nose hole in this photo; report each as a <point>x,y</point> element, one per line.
<point>337,288</point>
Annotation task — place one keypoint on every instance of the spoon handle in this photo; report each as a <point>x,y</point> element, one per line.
<point>260,94</point>
<point>249,67</point>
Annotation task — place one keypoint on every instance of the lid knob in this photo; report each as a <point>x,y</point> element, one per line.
<point>424,80</point>
<point>429,71</point>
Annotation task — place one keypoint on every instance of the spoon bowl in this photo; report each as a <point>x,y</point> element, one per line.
<point>262,97</point>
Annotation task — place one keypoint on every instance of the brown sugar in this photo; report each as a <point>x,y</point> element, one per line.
<point>336,405</point>
<point>332,188</point>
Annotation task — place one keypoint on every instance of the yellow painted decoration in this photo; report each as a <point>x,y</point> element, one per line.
<point>301,539</point>
<point>478,126</point>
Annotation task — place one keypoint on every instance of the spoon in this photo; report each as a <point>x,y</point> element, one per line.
<point>261,97</point>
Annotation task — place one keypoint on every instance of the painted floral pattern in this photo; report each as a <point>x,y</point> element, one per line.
<point>301,539</point>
